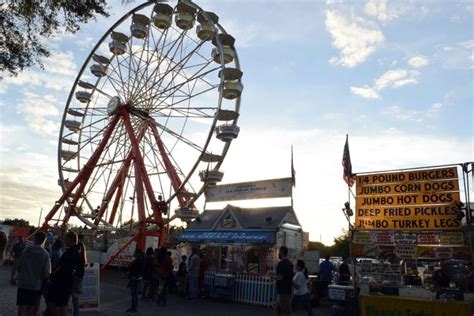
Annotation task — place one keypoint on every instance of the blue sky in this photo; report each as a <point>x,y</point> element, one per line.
<point>394,75</point>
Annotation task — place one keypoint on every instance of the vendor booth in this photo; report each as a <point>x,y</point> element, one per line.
<point>239,245</point>
<point>245,240</point>
<point>408,226</point>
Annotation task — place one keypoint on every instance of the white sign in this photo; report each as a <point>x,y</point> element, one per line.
<point>89,299</point>
<point>263,189</point>
<point>337,294</point>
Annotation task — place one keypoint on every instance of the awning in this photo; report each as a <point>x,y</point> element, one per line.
<point>228,237</point>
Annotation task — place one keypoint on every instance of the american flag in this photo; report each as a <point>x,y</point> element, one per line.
<point>348,176</point>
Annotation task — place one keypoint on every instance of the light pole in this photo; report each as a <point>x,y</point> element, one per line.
<point>348,213</point>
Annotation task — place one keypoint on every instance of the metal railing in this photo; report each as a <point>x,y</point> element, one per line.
<point>248,288</point>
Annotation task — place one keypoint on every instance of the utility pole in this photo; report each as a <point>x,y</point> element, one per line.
<point>39,219</point>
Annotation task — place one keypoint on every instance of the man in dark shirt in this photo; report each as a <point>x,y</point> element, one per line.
<point>16,251</point>
<point>440,278</point>
<point>284,277</point>
<point>325,276</point>
<point>149,266</point>
<point>65,276</point>
<point>135,275</point>
<point>344,272</point>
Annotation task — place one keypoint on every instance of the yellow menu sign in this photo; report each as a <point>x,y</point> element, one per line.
<point>411,200</point>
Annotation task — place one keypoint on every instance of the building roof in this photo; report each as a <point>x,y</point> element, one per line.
<point>266,218</point>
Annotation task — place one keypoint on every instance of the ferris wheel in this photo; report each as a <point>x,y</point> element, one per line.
<point>149,120</point>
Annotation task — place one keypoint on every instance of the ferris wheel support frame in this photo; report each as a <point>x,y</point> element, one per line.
<point>82,177</point>
<point>172,174</point>
<point>142,183</point>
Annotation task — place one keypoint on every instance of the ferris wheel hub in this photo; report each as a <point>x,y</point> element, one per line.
<point>113,105</point>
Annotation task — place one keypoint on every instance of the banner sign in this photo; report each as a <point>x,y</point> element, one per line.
<point>361,237</point>
<point>409,201</point>
<point>383,238</point>
<point>428,239</point>
<point>89,299</point>
<point>263,189</point>
<point>405,239</point>
<point>452,238</point>
<point>405,251</point>
<point>392,238</point>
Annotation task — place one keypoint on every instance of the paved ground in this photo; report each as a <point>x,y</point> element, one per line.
<point>115,299</point>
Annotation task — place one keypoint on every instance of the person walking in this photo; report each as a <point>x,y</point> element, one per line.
<point>166,268</point>
<point>284,281</point>
<point>301,293</point>
<point>3,245</point>
<point>156,275</point>
<point>16,251</point>
<point>77,290</point>
<point>193,274</point>
<point>182,274</point>
<point>65,276</point>
<point>34,268</point>
<point>325,275</point>
<point>149,266</point>
<point>135,275</point>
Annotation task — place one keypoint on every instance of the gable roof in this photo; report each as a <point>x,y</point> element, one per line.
<point>266,218</point>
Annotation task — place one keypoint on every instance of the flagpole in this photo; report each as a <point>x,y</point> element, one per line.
<point>293,176</point>
<point>348,177</point>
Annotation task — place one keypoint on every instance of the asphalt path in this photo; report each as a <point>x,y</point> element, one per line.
<point>115,300</point>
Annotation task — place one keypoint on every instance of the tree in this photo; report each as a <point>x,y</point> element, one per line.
<point>25,24</point>
<point>16,222</point>
<point>341,244</point>
<point>318,246</point>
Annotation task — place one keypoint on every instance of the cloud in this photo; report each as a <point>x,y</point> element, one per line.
<point>402,114</point>
<point>384,11</point>
<point>39,111</point>
<point>355,37</point>
<point>418,61</point>
<point>458,56</point>
<point>412,115</point>
<point>395,78</point>
<point>61,63</point>
<point>391,79</point>
<point>380,10</point>
<point>22,193</point>
<point>365,92</point>
<point>58,74</point>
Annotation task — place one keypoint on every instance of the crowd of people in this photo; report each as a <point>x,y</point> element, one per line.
<point>292,282</point>
<point>53,272</point>
<point>151,274</point>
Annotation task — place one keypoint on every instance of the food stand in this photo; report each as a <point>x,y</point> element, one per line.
<point>245,240</point>
<point>409,222</point>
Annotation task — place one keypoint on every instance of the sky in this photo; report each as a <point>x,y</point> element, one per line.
<point>396,76</point>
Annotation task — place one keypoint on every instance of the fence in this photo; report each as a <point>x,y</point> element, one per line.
<point>248,288</point>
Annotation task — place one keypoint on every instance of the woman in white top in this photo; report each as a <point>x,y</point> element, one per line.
<point>301,293</point>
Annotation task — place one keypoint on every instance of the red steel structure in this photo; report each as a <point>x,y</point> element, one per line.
<point>142,182</point>
<point>158,108</point>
